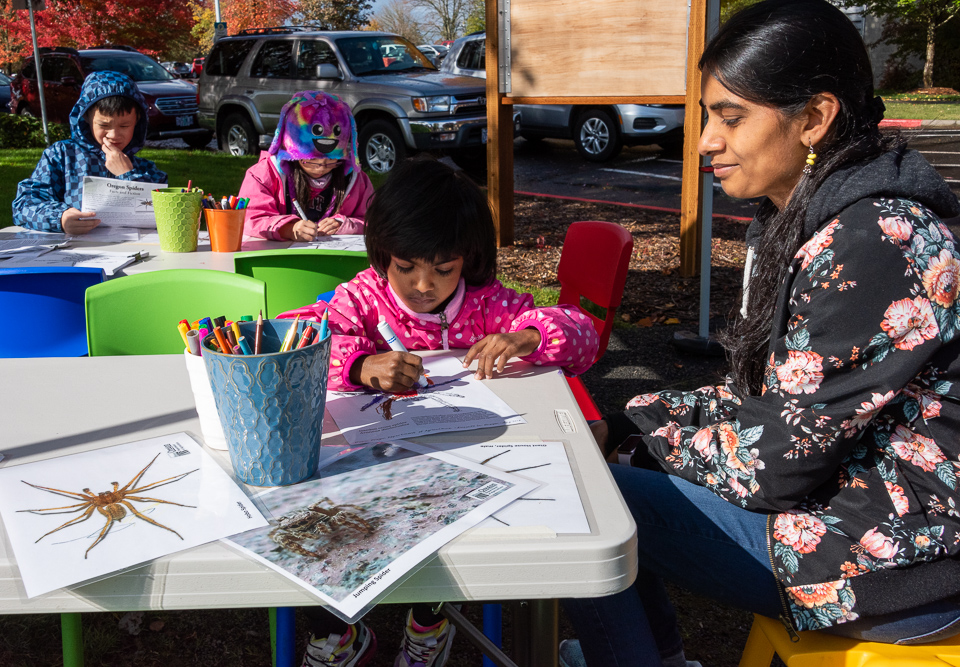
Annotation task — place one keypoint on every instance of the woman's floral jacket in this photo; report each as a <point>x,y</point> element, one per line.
<point>853,445</point>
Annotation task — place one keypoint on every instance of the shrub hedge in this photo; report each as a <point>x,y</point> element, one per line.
<point>27,132</point>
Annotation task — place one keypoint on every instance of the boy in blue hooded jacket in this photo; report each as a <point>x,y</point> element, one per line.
<point>108,126</point>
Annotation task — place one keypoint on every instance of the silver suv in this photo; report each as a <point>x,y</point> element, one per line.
<point>402,104</point>
<point>598,132</point>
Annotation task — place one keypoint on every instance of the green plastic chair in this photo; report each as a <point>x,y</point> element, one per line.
<point>294,278</point>
<point>138,314</point>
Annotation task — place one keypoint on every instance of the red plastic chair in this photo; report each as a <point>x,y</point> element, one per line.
<point>593,265</point>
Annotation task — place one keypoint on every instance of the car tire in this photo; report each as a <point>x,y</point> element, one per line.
<point>199,141</point>
<point>380,146</point>
<point>237,135</point>
<point>532,138</point>
<point>597,136</point>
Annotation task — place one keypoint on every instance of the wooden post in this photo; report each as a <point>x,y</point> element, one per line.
<point>499,138</point>
<point>692,187</point>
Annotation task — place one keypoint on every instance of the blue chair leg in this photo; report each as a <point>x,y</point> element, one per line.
<point>492,628</point>
<point>285,637</point>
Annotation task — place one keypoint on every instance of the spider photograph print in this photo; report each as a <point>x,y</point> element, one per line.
<point>318,520</point>
<point>112,505</point>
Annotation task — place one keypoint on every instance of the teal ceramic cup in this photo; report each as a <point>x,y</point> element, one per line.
<point>271,404</point>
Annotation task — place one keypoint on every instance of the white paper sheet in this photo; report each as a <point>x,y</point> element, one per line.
<point>181,487</point>
<point>120,203</point>
<point>371,518</point>
<point>555,504</point>
<point>109,234</point>
<point>109,261</point>
<point>147,236</point>
<point>336,242</point>
<point>454,401</point>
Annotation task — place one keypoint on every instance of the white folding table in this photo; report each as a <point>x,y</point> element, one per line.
<point>61,406</point>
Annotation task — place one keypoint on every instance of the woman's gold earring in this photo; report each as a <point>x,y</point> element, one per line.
<point>811,160</point>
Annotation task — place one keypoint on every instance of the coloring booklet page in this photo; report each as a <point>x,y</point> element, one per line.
<point>453,401</point>
<point>371,518</point>
<point>81,517</point>
<point>556,502</point>
<point>353,242</point>
<point>120,203</point>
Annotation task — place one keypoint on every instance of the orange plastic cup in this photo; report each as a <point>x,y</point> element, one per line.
<point>226,228</point>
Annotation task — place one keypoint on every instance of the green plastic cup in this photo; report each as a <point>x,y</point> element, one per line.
<point>178,218</point>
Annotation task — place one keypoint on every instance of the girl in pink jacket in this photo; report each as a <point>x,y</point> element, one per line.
<point>432,247</point>
<point>309,182</point>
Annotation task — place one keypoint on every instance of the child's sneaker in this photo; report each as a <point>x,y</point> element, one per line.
<point>425,647</point>
<point>353,649</point>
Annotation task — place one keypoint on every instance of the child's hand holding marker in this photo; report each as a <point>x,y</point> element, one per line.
<point>497,349</point>
<point>395,371</point>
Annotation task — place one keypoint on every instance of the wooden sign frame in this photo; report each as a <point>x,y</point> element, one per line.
<point>500,132</point>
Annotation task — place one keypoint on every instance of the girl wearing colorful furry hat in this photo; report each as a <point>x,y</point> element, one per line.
<point>309,183</point>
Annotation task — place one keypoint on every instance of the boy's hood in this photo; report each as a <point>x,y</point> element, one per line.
<point>312,125</point>
<point>96,87</point>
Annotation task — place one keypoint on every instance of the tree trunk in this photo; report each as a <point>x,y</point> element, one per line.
<point>928,66</point>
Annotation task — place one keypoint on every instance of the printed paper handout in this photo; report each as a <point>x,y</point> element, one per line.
<point>453,401</point>
<point>80,517</point>
<point>555,504</point>
<point>110,261</point>
<point>120,203</point>
<point>353,242</point>
<point>371,518</point>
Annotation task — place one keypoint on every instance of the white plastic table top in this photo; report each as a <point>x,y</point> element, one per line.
<point>59,406</point>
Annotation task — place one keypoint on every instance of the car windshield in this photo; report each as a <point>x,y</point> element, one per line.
<point>383,54</point>
<point>138,67</point>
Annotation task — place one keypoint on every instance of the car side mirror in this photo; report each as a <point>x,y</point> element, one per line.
<point>69,81</point>
<point>328,71</point>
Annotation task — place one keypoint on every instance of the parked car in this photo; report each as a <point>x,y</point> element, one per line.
<point>171,103</point>
<point>4,93</point>
<point>401,103</point>
<point>435,52</point>
<point>177,68</point>
<point>597,131</point>
<point>196,69</point>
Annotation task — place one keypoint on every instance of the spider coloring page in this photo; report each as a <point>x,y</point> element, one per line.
<point>371,517</point>
<point>453,400</point>
<point>81,517</point>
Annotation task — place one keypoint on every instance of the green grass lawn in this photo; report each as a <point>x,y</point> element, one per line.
<point>217,173</point>
<point>919,111</point>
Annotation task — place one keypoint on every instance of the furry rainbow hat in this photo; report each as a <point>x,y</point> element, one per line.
<point>313,125</point>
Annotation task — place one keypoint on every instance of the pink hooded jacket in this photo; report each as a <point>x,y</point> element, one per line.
<point>265,187</point>
<point>312,125</point>
<point>567,337</point>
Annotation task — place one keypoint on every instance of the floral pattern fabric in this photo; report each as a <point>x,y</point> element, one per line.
<point>853,445</point>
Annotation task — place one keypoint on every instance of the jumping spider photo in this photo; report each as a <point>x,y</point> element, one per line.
<point>315,521</point>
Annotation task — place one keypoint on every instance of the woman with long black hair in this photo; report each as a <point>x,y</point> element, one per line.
<point>819,485</point>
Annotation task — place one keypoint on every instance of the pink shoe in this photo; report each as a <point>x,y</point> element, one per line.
<point>425,647</point>
<point>353,649</point>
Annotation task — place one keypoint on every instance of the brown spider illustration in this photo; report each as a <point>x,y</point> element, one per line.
<point>314,521</point>
<point>109,503</point>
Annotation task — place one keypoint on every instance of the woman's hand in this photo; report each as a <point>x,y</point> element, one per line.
<point>391,371</point>
<point>301,230</point>
<point>72,224</point>
<point>328,227</point>
<point>601,433</point>
<point>499,348</point>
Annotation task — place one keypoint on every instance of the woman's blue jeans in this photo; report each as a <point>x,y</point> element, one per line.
<point>692,538</point>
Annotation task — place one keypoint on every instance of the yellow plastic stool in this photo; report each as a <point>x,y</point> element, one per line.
<point>818,649</point>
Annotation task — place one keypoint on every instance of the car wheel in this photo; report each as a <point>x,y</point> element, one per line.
<point>597,136</point>
<point>237,135</point>
<point>199,141</point>
<point>380,146</point>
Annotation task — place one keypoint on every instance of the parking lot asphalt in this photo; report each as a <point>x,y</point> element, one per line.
<point>650,176</point>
